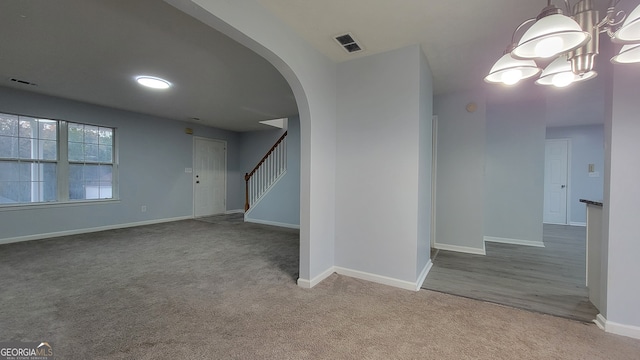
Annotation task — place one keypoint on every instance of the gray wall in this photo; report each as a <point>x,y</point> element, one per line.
<point>153,155</point>
<point>281,205</point>
<point>460,172</point>
<point>253,146</point>
<point>587,147</point>
<point>514,170</point>
<point>377,172</point>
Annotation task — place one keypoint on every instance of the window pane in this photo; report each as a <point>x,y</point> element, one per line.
<point>76,152</point>
<point>76,132</point>
<point>90,153</point>
<point>48,150</point>
<point>90,181</point>
<point>27,128</point>
<point>8,147</point>
<point>8,192</point>
<point>76,183</point>
<point>50,180</point>
<point>24,171</point>
<point>25,148</point>
<point>105,154</point>
<point>90,134</point>
<point>8,125</point>
<point>47,129</point>
<point>8,171</point>
<point>106,136</point>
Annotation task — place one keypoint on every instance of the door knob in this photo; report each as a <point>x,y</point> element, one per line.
<point>197,182</point>
<point>562,186</point>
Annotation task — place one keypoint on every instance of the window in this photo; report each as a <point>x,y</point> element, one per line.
<point>90,150</point>
<point>43,160</point>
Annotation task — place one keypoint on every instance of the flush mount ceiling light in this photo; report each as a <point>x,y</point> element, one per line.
<point>573,40</point>
<point>153,82</point>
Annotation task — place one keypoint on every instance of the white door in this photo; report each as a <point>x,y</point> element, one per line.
<point>556,157</point>
<point>209,177</point>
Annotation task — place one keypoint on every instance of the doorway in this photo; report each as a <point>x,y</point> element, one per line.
<point>209,177</point>
<point>556,172</point>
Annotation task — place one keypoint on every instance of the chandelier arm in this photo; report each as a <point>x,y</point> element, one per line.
<point>568,7</point>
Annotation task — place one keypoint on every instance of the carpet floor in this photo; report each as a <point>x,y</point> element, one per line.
<point>226,290</point>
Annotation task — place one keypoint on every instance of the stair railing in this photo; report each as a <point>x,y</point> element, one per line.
<point>272,165</point>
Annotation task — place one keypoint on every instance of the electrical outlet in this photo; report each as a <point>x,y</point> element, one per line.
<point>144,208</point>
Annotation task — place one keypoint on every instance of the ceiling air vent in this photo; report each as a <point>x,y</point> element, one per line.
<point>23,82</point>
<point>348,43</point>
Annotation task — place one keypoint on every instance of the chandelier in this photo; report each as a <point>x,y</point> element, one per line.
<point>570,41</point>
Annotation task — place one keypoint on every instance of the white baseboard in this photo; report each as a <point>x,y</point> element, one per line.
<point>423,275</point>
<point>577,223</point>
<point>384,280</point>
<point>617,328</point>
<point>402,284</point>
<point>514,241</point>
<point>236,211</point>
<point>89,230</point>
<point>272,223</point>
<point>308,284</point>
<point>463,249</point>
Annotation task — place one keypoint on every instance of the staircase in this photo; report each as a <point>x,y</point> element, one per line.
<point>268,171</point>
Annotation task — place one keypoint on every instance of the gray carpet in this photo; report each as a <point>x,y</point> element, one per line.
<point>226,290</point>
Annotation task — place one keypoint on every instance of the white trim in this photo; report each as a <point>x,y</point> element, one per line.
<point>514,241</point>
<point>578,223</point>
<point>89,230</point>
<point>272,223</point>
<point>434,176</point>
<point>617,328</point>
<point>236,211</point>
<point>600,321</point>
<point>308,284</point>
<point>463,249</point>
<point>423,275</point>
<point>47,205</point>
<point>384,280</point>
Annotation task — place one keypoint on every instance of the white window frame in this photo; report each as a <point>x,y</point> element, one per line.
<point>62,169</point>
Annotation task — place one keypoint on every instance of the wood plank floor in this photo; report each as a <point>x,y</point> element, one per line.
<point>550,280</point>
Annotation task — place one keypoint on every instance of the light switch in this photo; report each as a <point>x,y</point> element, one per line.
<point>592,168</point>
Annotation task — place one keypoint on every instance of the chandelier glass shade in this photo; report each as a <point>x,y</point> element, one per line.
<point>630,30</point>
<point>510,71</point>
<point>560,74</point>
<point>627,55</point>
<point>571,42</point>
<point>550,36</point>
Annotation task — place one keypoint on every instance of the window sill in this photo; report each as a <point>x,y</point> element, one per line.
<point>18,207</point>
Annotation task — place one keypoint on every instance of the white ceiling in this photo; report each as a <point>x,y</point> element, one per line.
<point>90,50</point>
<point>461,39</point>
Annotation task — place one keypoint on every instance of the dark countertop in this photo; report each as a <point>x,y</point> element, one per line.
<point>591,202</point>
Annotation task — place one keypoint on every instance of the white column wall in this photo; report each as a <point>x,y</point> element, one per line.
<point>378,147</point>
